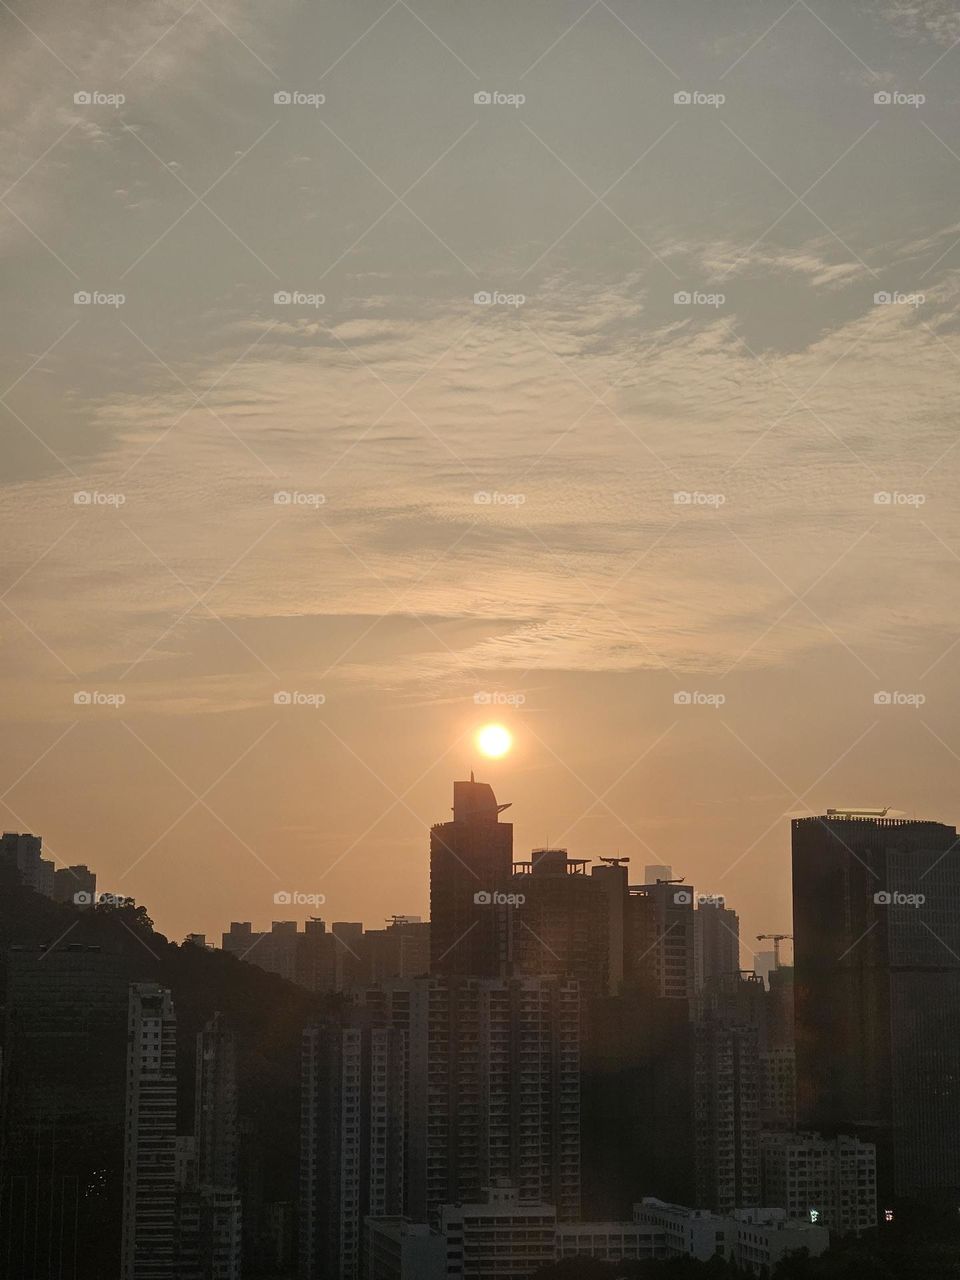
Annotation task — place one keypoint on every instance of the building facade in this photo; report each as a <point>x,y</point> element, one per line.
<point>148,1247</point>
<point>876,905</point>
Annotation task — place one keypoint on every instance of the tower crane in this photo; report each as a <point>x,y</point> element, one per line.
<point>776,939</point>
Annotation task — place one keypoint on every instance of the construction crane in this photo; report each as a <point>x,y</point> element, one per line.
<point>776,939</point>
<point>614,862</point>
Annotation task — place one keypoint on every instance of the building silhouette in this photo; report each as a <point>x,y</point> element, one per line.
<point>351,1138</point>
<point>561,925</point>
<point>149,1243</point>
<point>471,864</point>
<point>876,904</point>
<point>492,1088</point>
<point>716,936</point>
<point>63,1091</point>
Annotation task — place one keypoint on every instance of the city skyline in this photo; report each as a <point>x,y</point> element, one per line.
<point>419,376</point>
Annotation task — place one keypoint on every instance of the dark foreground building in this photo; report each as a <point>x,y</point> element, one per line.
<point>876,905</point>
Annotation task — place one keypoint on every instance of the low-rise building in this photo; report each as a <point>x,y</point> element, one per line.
<point>754,1239</point>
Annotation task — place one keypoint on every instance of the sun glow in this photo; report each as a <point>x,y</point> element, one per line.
<point>494,740</point>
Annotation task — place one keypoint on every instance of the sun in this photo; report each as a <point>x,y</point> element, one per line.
<point>494,740</point>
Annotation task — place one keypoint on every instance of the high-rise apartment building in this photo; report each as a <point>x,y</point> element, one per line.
<point>727,1086</point>
<point>471,863</point>
<point>493,1088</point>
<point>149,1235</point>
<point>351,1138</point>
<point>20,852</point>
<point>716,938</point>
<point>217,1149</point>
<point>660,939</point>
<point>876,903</point>
<point>63,1091</point>
<point>76,884</point>
<point>560,925</point>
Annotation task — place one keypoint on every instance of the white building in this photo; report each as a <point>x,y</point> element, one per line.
<point>832,1178</point>
<point>752,1238</point>
<point>148,1242</point>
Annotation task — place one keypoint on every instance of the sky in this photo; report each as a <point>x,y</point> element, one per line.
<point>372,371</point>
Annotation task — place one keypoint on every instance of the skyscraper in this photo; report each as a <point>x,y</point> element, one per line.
<point>148,1244</point>
<point>217,1145</point>
<point>728,1030</point>
<point>561,925</point>
<point>876,904</point>
<point>493,1088</point>
<point>471,862</point>
<point>351,1138</point>
<point>64,1060</point>
<point>716,941</point>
